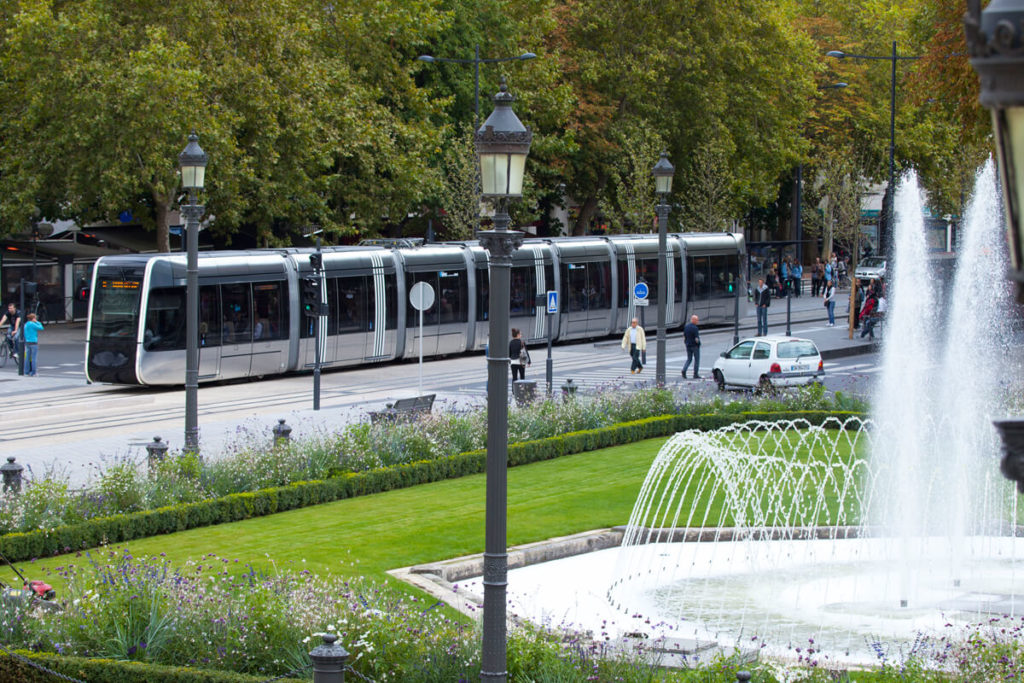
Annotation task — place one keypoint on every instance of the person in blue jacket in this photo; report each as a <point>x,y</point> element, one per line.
<point>31,330</point>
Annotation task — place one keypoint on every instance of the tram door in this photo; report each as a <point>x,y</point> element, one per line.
<point>699,287</point>
<point>351,320</point>
<point>209,331</point>
<point>236,330</point>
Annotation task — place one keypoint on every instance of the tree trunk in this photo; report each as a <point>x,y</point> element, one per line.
<point>162,211</point>
<point>589,207</point>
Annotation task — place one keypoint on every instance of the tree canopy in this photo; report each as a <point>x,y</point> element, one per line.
<point>318,112</point>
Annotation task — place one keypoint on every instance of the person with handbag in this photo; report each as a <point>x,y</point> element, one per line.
<point>635,340</point>
<point>518,355</point>
<point>830,300</point>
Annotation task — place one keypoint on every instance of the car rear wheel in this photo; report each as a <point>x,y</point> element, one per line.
<point>719,379</point>
<point>765,386</point>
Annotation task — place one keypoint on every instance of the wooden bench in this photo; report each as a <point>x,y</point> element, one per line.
<point>404,408</point>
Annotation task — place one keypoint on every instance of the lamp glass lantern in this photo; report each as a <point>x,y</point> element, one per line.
<point>192,162</point>
<point>502,144</point>
<point>663,172</point>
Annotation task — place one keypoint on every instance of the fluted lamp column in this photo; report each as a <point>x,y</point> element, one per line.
<point>502,144</point>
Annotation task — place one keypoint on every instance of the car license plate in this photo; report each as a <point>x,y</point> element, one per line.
<point>797,368</point>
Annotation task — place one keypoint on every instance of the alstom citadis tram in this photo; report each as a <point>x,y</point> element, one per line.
<point>252,323</point>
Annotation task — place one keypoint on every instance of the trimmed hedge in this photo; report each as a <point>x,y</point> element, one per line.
<point>110,671</point>
<point>20,546</point>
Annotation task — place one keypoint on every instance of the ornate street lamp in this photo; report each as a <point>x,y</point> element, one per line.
<point>502,144</point>
<point>192,162</point>
<point>997,53</point>
<point>663,172</point>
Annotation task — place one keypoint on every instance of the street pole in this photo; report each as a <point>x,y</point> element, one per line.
<point>192,162</point>
<point>662,172</point>
<point>789,330</point>
<point>502,145</point>
<point>736,318</point>
<point>500,244</point>
<point>192,212</point>
<point>659,369</point>
<point>317,359</point>
<point>892,156</point>
<point>549,370</point>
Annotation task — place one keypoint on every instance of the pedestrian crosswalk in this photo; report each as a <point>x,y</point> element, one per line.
<point>851,368</point>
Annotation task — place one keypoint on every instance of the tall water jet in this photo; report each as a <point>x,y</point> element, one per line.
<point>851,536</point>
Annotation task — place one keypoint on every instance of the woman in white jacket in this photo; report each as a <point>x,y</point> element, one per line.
<point>635,340</point>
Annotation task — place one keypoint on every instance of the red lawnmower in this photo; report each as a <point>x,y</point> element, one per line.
<point>31,593</point>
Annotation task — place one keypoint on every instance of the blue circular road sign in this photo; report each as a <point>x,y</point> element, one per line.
<point>640,290</point>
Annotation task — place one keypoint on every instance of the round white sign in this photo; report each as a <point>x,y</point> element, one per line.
<point>421,296</point>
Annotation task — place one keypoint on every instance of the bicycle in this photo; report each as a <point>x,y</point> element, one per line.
<point>7,350</point>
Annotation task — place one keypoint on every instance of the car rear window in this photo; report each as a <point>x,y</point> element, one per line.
<point>794,349</point>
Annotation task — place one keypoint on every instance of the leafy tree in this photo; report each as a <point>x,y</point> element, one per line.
<point>706,201</point>
<point>306,111</point>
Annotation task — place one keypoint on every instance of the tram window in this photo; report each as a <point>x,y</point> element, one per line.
<point>483,293</point>
<point>270,305</point>
<point>115,312</point>
<point>451,296</point>
<point>209,316</point>
<point>390,301</point>
<point>237,313</point>
<point>723,273</point>
<point>523,291</point>
<point>574,279</point>
<point>165,320</point>
<point>412,316</point>
<point>599,285</point>
<point>698,277</point>
<point>352,305</point>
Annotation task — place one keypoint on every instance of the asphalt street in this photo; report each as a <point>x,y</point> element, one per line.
<point>58,422</point>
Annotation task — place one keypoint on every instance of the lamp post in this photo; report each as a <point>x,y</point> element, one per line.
<point>476,62</point>
<point>192,162</point>
<point>883,240</point>
<point>502,144</point>
<point>663,171</point>
<point>997,53</point>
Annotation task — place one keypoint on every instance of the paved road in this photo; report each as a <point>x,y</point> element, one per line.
<point>56,421</point>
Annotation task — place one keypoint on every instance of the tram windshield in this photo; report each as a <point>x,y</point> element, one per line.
<point>115,313</point>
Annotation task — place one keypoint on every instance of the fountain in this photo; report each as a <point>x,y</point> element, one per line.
<point>847,536</point>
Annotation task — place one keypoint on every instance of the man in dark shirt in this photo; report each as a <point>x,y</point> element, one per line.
<point>691,337</point>
<point>763,299</point>
<point>12,318</point>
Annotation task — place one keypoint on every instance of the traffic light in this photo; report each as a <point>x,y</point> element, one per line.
<point>316,260</point>
<point>310,297</point>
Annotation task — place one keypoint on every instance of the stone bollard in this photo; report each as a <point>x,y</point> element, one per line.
<point>742,677</point>
<point>568,390</point>
<point>329,661</point>
<point>282,433</point>
<point>12,475</point>
<point>156,451</point>
<point>524,391</point>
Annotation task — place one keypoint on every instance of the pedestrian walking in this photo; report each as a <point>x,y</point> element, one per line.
<point>816,275</point>
<point>691,337</point>
<point>635,340</point>
<point>32,329</point>
<point>798,276</point>
<point>830,301</point>
<point>763,299</point>
<point>518,355</point>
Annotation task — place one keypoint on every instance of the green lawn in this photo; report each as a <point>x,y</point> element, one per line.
<point>371,534</point>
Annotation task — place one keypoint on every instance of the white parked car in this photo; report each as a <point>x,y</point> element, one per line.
<point>871,268</point>
<point>769,362</point>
